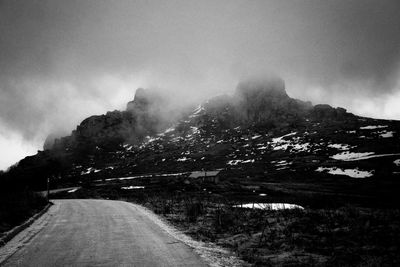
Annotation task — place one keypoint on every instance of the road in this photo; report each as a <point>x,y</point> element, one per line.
<point>101,233</point>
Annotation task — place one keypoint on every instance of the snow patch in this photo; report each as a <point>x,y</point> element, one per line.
<point>151,139</point>
<point>279,139</point>
<point>269,206</point>
<point>353,173</point>
<point>387,134</point>
<point>197,111</point>
<point>171,129</point>
<point>282,163</point>
<point>73,190</point>
<point>144,176</point>
<point>295,144</point>
<point>132,187</point>
<point>351,156</point>
<point>340,146</point>
<point>237,161</point>
<point>90,170</point>
<point>371,127</point>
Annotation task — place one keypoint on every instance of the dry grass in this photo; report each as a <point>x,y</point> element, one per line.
<point>348,236</point>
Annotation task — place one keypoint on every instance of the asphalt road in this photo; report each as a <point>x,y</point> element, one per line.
<point>101,233</point>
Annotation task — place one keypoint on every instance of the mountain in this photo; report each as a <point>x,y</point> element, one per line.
<point>259,133</point>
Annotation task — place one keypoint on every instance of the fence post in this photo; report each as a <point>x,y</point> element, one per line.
<point>48,188</point>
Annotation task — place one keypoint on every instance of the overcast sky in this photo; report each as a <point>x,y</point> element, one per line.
<point>61,61</point>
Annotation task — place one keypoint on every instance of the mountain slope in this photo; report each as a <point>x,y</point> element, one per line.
<point>257,133</point>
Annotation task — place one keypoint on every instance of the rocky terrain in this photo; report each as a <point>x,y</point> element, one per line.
<point>258,136</point>
<point>297,184</point>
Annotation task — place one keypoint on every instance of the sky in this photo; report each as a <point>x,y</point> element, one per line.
<point>62,61</point>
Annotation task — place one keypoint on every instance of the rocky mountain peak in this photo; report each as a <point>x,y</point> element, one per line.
<point>140,101</point>
<point>264,100</point>
<point>259,125</point>
<point>146,99</point>
<point>265,87</point>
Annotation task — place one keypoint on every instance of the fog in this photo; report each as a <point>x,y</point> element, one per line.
<point>61,61</point>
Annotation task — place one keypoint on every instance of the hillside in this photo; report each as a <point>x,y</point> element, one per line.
<point>294,184</point>
<point>259,135</point>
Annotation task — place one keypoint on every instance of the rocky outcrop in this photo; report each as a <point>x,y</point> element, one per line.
<point>261,102</point>
<point>49,142</point>
<point>142,117</point>
<point>267,88</point>
<point>266,100</point>
<point>325,112</point>
<point>147,111</point>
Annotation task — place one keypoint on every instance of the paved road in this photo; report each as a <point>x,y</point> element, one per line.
<point>102,233</point>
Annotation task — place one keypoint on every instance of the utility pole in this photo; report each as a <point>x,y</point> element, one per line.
<point>48,188</point>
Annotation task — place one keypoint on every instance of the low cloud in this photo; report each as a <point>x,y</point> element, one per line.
<point>61,61</point>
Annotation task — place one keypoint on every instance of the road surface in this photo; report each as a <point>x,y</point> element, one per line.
<point>101,233</point>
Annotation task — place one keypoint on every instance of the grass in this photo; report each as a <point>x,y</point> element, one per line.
<point>16,206</point>
<point>326,233</point>
<point>347,236</point>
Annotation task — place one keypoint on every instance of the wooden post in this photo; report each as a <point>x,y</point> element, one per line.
<point>48,188</point>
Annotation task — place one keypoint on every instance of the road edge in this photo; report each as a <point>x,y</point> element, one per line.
<point>19,228</point>
<point>212,254</point>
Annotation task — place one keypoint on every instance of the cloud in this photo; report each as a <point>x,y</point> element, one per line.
<point>13,148</point>
<point>61,61</point>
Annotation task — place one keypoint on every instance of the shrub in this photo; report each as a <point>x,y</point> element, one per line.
<point>18,206</point>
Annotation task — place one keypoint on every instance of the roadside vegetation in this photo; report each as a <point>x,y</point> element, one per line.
<point>334,235</point>
<point>347,236</point>
<point>17,203</point>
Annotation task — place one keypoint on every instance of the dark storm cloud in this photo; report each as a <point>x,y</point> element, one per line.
<point>368,40</point>
<point>61,61</point>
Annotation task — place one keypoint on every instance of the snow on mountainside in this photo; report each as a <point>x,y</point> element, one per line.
<point>258,132</point>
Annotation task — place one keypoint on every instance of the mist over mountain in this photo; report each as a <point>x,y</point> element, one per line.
<point>256,101</point>
<point>65,61</point>
<point>153,133</point>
